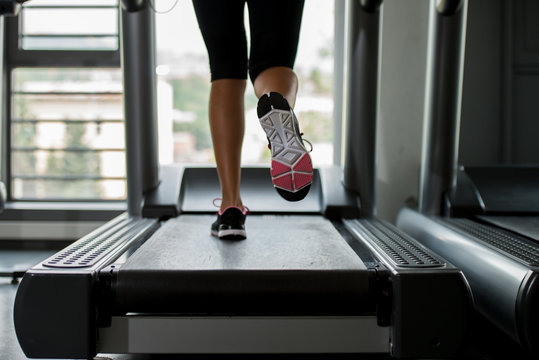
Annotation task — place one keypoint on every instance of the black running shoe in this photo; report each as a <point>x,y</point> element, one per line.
<point>291,166</point>
<point>230,224</point>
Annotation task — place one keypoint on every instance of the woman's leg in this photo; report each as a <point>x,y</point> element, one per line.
<point>222,27</point>
<point>275,28</point>
<point>279,79</point>
<point>227,123</point>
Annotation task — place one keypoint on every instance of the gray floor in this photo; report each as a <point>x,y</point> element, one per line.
<point>9,347</point>
<point>13,260</point>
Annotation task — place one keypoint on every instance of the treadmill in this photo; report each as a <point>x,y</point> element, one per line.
<point>483,219</point>
<point>319,276</point>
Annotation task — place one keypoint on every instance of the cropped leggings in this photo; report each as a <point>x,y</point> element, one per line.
<point>274,33</point>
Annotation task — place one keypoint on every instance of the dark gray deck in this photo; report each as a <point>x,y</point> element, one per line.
<point>273,243</point>
<point>287,264</point>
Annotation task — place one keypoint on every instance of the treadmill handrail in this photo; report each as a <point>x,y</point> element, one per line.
<point>443,97</point>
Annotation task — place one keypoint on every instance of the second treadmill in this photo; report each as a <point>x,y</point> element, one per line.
<point>485,220</point>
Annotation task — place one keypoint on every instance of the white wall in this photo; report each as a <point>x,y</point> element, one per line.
<point>404,46</point>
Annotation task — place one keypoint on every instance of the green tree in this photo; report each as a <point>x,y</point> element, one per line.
<point>191,94</point>
<point>78,162</point>
<point>23,136</point>
<point>317,126</point>
<point>323,82</point>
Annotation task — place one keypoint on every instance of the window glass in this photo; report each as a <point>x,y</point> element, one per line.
<point>67,134</point>
<point>38,3</point>
<point>84,25</point>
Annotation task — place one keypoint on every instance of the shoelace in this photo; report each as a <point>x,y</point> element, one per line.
<point>296,125</point>
<point>302,140</point>
<point>307,141</point>
<point>154,8</point>
<point>244,209</point>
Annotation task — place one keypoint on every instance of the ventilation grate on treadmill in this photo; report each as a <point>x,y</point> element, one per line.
<point>401,249</point>
<point>90,249</point>
<point>504,241</point>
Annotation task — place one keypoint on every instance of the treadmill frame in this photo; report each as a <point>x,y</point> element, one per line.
<point>58,313</point>
<point>243,335</point>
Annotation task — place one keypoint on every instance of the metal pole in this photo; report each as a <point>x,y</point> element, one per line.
<point>443,91</point>
<point>360,169</point>
<point>140,105</point>
<point>338,79</point>
<point>4,129</point>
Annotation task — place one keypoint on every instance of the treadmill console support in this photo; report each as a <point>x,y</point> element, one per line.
<point>133,5</point>
<point>449,7</point>
<point>359,170</point>
<point>140,102</point>
<point>445,64</point>
<point>3,196</point>
<point>371,5</point>
<point>10,7</point>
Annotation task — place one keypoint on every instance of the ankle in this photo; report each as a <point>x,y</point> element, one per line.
<point>227,204</point>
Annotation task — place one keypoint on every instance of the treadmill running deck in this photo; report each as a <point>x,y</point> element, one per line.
<point>286,264</point>
<point>273,243</point>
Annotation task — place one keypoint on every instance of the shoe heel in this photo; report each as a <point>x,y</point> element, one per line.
<point>268,102</point>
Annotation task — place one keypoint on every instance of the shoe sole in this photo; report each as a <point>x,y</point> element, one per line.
<point>231,234</point>
<point>291,165</point>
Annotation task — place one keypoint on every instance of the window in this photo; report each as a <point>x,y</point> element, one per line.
<point>65,98</point>
<point>65,102</point>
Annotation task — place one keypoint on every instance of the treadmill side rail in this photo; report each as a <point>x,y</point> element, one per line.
<point>496,280</point>
<point>55,317</point>
<point>55,311</point>
<point>430,297</point>
<point>527,312</point>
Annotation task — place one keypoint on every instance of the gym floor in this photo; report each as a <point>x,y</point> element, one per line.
<point>485,342</point>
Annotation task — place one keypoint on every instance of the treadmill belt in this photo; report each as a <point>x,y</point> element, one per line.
<point>287,264</point>
<point>523,225</point>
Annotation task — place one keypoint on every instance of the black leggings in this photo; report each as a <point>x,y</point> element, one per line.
<point>274,25</point>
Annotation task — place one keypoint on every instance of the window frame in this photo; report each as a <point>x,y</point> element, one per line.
<point>56,58</point>
<point>14,57</point>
